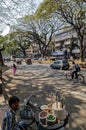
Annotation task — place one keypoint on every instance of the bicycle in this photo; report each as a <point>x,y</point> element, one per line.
<point>27,113</point>
<point>80,78</point>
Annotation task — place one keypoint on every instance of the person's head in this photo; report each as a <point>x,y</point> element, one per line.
<point>73,62</point>
<point>14,65</point>
<point>14,102</point>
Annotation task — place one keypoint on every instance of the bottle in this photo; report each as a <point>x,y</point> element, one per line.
<point>63,98</point>
<point>59,105</point>
<point>52,98</point>
<point>56,100</point>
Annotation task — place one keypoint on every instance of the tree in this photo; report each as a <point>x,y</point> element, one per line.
<point>72,12</point>
<point>41,31</point>
<point>1,58</point>
<point>1,49</point>
<point>51,48</point>
<point>74,45</point>
<point>19,40</point>
<point>12,10</point>
<point>16,43</point>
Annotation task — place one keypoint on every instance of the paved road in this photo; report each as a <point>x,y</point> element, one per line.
<point>39,79</point>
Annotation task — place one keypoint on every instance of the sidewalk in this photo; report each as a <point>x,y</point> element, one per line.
<point>3,108</point>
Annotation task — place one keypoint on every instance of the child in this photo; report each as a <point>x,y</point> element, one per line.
<point>9,121</point>
<point>14,68</point>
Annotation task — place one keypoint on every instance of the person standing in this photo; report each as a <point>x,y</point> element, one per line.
<point>14,68</point>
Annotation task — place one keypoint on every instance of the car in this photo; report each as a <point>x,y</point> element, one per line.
<point>7,59</point>
<point>60,64</point>
<point>36,58</point>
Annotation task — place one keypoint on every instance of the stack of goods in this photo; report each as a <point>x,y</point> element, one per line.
<point>54,112</point>
<point>59,111</point>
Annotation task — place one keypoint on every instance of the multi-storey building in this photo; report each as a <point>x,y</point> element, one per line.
<point>63,38</point>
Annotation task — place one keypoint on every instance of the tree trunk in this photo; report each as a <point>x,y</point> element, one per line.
<point>42,50</point>
<point>24,52</point>
<point>81,53</point>
<point>81,49</point>
<point>1,65</point>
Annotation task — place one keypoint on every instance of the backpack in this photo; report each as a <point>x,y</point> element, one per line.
<point>77,68</point>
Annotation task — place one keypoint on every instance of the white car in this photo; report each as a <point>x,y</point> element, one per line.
<point>60,64</point>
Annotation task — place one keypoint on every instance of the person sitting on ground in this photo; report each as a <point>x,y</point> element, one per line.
<point>9,120</point>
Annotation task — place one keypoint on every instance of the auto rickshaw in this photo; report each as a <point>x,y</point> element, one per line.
<point>28,61</point>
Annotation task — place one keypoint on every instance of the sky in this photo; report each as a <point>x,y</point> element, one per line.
<point>6,28</point>
<point>6,31</point>
<point>38,1</point>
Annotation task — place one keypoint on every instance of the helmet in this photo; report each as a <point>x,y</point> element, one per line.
<point>22,125</point>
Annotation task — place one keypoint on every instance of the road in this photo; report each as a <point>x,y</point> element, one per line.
<point>41,80</point>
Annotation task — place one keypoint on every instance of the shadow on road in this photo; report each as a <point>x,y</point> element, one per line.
<point>42,84</point>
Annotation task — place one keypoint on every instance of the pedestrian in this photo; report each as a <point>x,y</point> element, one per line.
<point>14,68</point>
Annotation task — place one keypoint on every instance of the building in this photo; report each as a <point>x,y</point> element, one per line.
<point>32,50</point>
<point>64,37</point>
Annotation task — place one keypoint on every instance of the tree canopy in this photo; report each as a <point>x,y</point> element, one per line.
<point>41,31</point>
<point>72,12</point>
<point>12,10</point>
